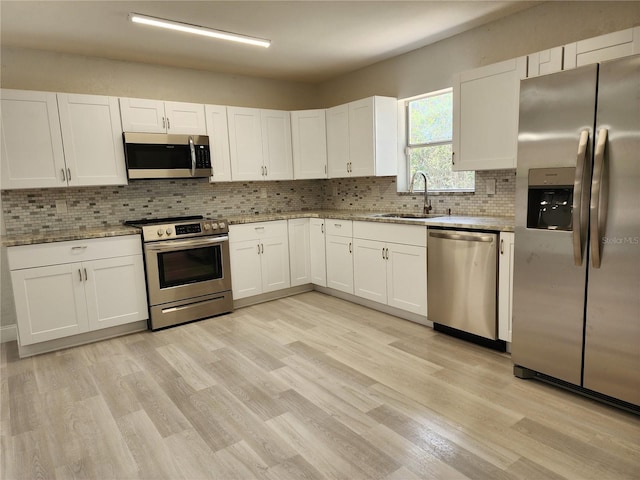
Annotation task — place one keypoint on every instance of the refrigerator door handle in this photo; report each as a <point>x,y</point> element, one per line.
<point>580,206</point>
<point>598,199</point>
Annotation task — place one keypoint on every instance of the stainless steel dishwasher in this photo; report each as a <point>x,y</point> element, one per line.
<point>462,281</point>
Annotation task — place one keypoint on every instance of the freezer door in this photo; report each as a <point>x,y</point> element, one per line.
<point>612,337</point>
<point>556,130</point>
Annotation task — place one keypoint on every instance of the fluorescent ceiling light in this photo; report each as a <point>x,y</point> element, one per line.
<point>197,30</point>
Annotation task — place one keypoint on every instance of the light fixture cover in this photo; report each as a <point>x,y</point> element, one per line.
<point>197,30</point>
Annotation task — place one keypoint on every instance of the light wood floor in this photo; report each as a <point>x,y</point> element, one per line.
<point>307,387</point>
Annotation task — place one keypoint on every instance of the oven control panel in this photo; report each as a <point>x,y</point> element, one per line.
<point>200,228</point>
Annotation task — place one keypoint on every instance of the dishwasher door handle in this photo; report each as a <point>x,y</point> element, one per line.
<point>463,237</point>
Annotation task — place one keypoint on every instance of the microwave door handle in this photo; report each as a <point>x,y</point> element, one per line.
<point>580,204</point>
<point>192,150</point>
<point>598,208</point>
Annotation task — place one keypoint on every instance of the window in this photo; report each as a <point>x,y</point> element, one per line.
<point>429,134</point>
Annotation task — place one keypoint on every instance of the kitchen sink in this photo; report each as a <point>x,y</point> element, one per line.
<point>414,216</point>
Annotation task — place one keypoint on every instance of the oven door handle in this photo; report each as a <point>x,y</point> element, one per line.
<point>172,245</point>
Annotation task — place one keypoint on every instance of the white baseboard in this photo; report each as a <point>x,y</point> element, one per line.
<point>8,333</point>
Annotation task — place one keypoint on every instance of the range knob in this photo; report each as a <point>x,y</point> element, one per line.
<point>169,231</point>
<point>214,226</point>
<point>160,232</point>
<point>207,226</point>
<point>221,224</point>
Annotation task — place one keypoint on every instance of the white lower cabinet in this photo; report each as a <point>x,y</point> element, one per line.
<point>317,252</point>
<point>299,251</point>
<point>505,285</point>
<point>259,258</point>
<point>68,288</point>
<point>339,252</point>
<point>392,271</point>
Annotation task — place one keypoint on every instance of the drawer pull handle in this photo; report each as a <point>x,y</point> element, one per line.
<point>81,247</point>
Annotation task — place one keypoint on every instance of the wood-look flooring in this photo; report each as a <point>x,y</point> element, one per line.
<point>306,387</point>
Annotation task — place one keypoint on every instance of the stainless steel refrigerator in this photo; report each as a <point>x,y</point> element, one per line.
<point>576,298</point>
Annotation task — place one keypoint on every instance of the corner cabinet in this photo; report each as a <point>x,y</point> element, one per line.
<point>362,138</point>
<point>68,288</point>
<point>260,144</point>
<point>505,285</point>
<point>309,143</point>
<point>299,251</point>
<point>155,116</point>
<point>259,258</point>
<point>485,113</point>
<point>60,140</point>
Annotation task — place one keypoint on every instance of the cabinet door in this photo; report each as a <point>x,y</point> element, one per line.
<point>505,285</point>
<point>218,131</point>
<point>309,143</point>
<point>485,116</point>
<point>185,118</point>
<point>142,115</point>
<point>370,270</point>
<point>246,272</point>
<point>115,291</point>
<point>32,154</point>
<point>317,252</point>
<point>92,137</point>
<point>361,138</point>
<point>299,254</point>
<point>544,62</point>
<point>407,278</point>
<point>245,143</point>
<point>602,48</point>
<point>50,302</point>
<point>274,258</point>
<point>276,144</point>
<point>338,141</point>
<point>339,263</point>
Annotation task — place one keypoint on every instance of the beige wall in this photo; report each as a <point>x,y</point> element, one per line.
<point>40,70</point>
<point>430,68</point>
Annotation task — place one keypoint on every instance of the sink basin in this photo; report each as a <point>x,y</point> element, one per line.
<point>410,216</point>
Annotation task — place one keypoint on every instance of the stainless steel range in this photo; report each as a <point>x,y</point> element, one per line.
<point>187,269</point>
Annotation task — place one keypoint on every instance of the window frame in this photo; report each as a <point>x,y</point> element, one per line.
<point>408,146</point>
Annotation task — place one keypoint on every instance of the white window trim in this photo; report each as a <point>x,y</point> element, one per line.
<point>404,169</point>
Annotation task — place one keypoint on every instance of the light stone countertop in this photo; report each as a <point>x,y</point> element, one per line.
<point>501,224</point>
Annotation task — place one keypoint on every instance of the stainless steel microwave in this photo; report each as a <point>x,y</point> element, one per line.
<point>160,155</point>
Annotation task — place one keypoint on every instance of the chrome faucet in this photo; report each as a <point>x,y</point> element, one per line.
<point>427,203</point>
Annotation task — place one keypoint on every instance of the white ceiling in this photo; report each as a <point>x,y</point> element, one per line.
<point>312,41</point>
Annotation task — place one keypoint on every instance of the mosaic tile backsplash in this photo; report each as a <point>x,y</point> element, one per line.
<point>37,210</point>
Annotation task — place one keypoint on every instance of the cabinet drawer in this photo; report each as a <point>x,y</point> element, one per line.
<point>253,231</point>
<point>391,233</point>
<point>339,228</point>
<point>57,253</point>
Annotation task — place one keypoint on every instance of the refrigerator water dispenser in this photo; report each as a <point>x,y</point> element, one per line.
<point>550,198</point>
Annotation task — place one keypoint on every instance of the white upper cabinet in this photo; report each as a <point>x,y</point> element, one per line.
<point>92,138</point>
<point>218,132</point>
<point>59,140</point>
<point>157,116</point>
<point>309,142</point>
<point>602,48</point>
<point>544,62</point>
<point>259,144</point>
<point>338,141</point>
<point>32,152</point>
<point>362,138</point>
<point>276,145</point>
<point>485,116</point>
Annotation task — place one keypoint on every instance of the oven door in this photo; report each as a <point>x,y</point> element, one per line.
<point>183,269</point>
